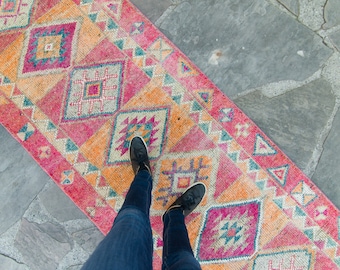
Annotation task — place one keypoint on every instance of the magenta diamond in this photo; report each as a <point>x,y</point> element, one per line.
<point>230,232</point>
<point>49,47</point>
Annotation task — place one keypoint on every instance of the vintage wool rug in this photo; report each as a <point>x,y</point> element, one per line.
<point>78,79</point>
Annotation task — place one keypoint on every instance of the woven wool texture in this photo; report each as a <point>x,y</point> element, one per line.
<point>79,79</point>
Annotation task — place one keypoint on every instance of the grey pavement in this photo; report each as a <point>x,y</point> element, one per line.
<point>278,60</point>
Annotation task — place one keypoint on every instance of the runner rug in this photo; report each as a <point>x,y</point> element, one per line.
<point>80,78</point>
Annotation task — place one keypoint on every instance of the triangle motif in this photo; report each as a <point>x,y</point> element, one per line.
<point>28,112</point>
<point>27,102</point>
<point>115,8</point>
<point>185,69</point>
<point>280,174</point>
<point>299,188</point>
<point>262,147</point>
<point>253,166</point>
<point>193,141</point>
<point>16,92</point>
<point>290,236</point>
<point>205,95</point>
<point>111,24</point>
<point>101,182</point>
<point>308,198</point>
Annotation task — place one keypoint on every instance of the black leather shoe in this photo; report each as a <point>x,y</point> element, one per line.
<point>139,155</point>
<point>190,199</point>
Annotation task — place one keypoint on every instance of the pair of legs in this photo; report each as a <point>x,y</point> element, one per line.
<point>129,244</point>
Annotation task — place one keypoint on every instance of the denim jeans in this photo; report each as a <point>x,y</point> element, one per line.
<point>177,252</point>
<point>129,244</point>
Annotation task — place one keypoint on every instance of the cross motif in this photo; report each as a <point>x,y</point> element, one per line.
<point>100,98</point>
<point>180,178</point>
<point>321,212</point>
<point>242,130</point>
<point>44,152</point>
<point>281,267</point>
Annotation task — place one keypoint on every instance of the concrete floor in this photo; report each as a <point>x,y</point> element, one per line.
<point>278,60</point>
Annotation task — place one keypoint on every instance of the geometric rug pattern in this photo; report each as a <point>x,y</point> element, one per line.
<point>79,79</point>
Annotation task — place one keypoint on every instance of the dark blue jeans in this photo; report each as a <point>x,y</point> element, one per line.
<point>177,252</point>
<point>129,243</point>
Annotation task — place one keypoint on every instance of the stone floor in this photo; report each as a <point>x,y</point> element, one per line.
<point>278,60</point>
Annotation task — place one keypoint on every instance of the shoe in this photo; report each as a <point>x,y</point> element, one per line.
<point>139,155</point>
<point>190,199</point>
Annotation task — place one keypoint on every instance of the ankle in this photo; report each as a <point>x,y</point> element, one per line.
<point>144,167</point>
<point>174,207</point>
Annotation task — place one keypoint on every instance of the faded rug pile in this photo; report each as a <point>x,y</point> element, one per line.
<point>78,79</point>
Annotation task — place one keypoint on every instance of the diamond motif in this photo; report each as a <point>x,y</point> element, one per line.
<point>183,181</point>
<point>67,177</point>
<point>160,49</point>
<point>49,48</point>
<point>226,115</point>
<point>303,194</point>
<point>149,124</point>
<point>137,28</point>
<point>242,130</point>
<point>230,232</point>
<point>94,91</point>
<point>15,13</point>
<point>44,152</point>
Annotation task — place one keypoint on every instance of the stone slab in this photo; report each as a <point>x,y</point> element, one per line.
<point>74,259</point>
<point>7,263</point>
<point>7,243</point>
<point>88,239</point>
<point>59,205</point>
<point>327,173</point>
<point>42,246</point>
<point>293,120</point>
<point>244,44</point>
<point>331,11</point>
<point>291,5</point>
<point>74,267</point>
<point>331,72</point>
<point>152,9</point>
<point>311,13</point>
<point>21,180</point>
<point>335,37</point>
